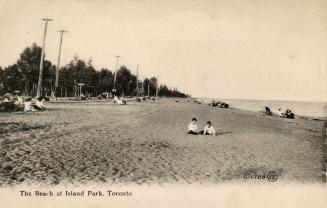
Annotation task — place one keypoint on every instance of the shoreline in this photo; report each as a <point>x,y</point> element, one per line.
<point>300,115</point>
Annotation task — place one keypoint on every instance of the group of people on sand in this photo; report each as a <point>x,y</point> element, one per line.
<point>15,102</point>
<point>218,104</point>
<point>193,128</point>
<point>287,114</point>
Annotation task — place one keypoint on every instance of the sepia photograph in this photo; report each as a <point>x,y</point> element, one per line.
<point>142,103</point>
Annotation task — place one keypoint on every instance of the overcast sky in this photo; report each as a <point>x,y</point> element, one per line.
<point>254,49</point>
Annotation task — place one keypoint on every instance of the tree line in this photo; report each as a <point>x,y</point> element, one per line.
<point>23,76</point>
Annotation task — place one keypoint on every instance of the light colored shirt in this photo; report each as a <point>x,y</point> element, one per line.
<point>280,113</point>
<point>28,106</point>
<point>118,101</point>
<point>6,100</point>
<point>209,130</point>
<point>19,101</point>
<point>192,127</point>
<point>39,104</point>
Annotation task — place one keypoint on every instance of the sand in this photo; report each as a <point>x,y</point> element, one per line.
<point>146,143</point>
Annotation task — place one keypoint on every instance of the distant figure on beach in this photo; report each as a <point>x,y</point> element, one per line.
<point>192,127</point>
<point>280,113</point>
<point>118,101</point>
<point>8,104</point>
<point>268,111</point>
<point>289,114</point>
<point>7,98</point>
<point>208,129</point>
<point>28,105</point>
<point>39,104</point>
<point>18,101</point>
<point>219,104</point>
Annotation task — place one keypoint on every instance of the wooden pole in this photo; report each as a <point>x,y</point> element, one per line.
<point>39,86</point>
<point>58,62</point>
<point>137,82</point>
<point>115,75</point>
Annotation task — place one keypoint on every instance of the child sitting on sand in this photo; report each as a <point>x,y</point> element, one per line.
<point>192,127</point>
<point>208,129</point>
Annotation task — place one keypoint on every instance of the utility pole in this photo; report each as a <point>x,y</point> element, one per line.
<point>137,82</point>
<point>58,61</point>
<point>39,86</point>
<point>115,76</point>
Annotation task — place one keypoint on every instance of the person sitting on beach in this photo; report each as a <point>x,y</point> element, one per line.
<point>39,104</point>
<point>192,127</point>
<point>4,104</point>
<point>8,98</point>
<point>280,113</point>
<point>28,105</point>
<point>208,129</point>
<point>8,103</point>
<point>118,101</point>
<point>18,101</point>
<point>288,114</point>
<point>268,111</point>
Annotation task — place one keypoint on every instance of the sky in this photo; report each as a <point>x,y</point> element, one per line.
<point>241,49</point>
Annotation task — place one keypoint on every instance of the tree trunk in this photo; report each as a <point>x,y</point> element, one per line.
<point>26,89</point>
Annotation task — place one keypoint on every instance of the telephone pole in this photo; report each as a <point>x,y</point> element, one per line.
<point>58,61</point>
<point>115,76</point>
<point>137,82</point>
<point>39,86</point>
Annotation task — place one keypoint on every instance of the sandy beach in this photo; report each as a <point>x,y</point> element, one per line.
<point>146,143</point>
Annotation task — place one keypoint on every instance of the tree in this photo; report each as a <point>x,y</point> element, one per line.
<point>2,81</point>
<point>28,65</point>
<point>12,78</point>
<point>146,86</point>
<point>23,76</point>
<point>126,82</point>
<point>153,86</point>
<point>105,80</point>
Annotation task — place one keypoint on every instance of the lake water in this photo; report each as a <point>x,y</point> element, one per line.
<point>301,108</point>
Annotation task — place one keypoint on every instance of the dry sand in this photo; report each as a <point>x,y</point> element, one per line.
<point>146,143</point>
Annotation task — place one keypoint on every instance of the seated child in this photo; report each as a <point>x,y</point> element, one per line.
<point>209,130</point>
<point>192,127</point>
